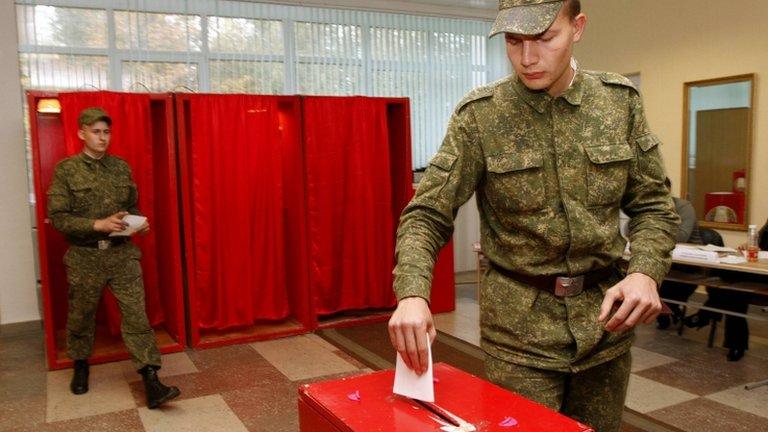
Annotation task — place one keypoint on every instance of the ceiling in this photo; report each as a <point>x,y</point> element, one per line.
<point>484,9</point>
<point>477,4</point>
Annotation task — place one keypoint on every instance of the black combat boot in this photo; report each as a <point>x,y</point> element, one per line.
<point>79,384</point>
<point>157,393</point>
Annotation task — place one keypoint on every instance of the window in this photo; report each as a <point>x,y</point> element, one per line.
<point>240,35</point>
<point>63,72</point>
<point>249,47</point>
<point>160,32</point>
<point>247,77</point>
<point>62,27</point>
<point>159,76</point>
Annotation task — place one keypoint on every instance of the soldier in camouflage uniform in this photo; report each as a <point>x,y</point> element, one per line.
<point>553,154</point>
<point>87,200</point>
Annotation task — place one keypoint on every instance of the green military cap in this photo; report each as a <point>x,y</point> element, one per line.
<point>526,17</point>
<point>91,115</point>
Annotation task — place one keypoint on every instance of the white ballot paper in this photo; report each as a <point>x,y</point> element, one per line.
<point>135,223</point>
<point>408,384</point>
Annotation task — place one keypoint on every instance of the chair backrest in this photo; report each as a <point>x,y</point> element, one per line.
<point>710,236</point>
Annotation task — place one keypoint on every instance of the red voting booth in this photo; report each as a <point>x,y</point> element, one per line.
<point>143,134</point>
<point>358,180</point>
<point>244,217</point>
<point>365,403</point>
<point>290,209</point>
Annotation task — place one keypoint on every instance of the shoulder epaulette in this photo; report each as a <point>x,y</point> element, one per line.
<point>615,79</point>
<point>483,92</point>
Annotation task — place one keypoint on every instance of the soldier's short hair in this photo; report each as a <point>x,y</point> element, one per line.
<point>573,8</point>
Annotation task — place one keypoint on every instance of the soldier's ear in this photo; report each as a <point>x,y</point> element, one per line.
<point>81,133</point>
<point>578,26</point>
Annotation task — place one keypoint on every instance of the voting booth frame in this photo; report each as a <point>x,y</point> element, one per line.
<point>184,278</point>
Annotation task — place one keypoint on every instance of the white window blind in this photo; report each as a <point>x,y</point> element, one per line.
<point>249,47</point>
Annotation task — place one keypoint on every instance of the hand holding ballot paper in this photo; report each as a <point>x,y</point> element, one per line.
<point>412,385</point>
<point>134,224</point>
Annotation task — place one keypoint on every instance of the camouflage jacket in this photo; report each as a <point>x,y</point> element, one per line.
<point>85,189</point>
<point>551,175</point>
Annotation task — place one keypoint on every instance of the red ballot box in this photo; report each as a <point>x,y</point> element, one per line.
<point>366,403</point>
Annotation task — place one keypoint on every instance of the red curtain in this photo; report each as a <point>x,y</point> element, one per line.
<point>350,203</point>
<point>132,141</point>
<point>237,210</point>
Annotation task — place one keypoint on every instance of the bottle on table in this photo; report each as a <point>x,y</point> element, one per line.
<point>752,247</point>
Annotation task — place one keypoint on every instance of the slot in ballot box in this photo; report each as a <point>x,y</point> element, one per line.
<point>366,403</point>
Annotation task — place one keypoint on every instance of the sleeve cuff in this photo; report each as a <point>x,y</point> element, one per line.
<point>653,267</point>
<point>412,286</point>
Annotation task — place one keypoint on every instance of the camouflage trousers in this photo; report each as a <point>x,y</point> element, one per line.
<point>593,396</point>
<point>89,270</point>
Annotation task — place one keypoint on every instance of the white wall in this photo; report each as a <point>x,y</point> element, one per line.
<point>18,294</point>
<point>673,42</point>
<point>466,233</point>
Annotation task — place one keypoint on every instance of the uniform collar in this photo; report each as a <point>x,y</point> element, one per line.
<point>575,92</point>
<point>90,161</point>
<point>540,99</point>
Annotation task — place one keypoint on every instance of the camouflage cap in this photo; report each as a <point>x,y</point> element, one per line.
<point>91,115</point>
<point>526,17</point>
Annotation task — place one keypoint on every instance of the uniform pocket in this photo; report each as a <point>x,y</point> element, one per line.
<point>123,193</point>
<point>82,196</point>
<point>608,171</point>
<point>515,181</point>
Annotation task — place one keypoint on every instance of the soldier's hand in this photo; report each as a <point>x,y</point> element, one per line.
<point>144,230</point>
<point>408,328</point>
<point>638,301</point>
<point>110,224</point>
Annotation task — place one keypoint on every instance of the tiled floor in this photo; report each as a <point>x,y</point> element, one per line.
<point>675,380</point>
<point>235,388</point>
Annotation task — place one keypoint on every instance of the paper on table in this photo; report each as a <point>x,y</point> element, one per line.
<point>762,255</point>
<point>408,384</point>
<point>135,223</point>
<point>733,259</point>
<point>713,248</point>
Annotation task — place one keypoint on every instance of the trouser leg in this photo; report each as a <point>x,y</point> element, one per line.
<point>676,291</point>
<point>543,386</point>
<point>128,287</point>
<point>86,282</point>
<point>736,328</point>
<point>594,396</point>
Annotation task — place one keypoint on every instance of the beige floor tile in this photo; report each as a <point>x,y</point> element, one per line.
<point>302,357</point>
<point>643,359</point>
<point>322,343</point>
<point>173,364</point>
<point>208,413</point>
<point>646,395</point>
<point>754,401</point>
<point>463,323</point>
<point>109,392</point>
<point>466,329</point>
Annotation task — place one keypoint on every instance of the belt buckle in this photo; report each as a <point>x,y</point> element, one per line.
<point>568,286</point>
<point>104,244</point>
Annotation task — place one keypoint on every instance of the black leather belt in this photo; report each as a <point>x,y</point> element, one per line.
<point>106,243</point>
<point>560,286</point>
